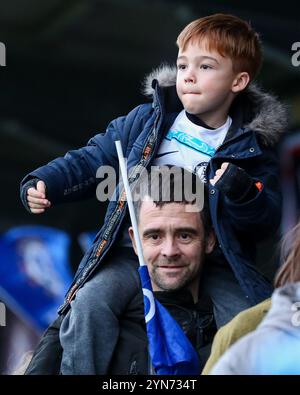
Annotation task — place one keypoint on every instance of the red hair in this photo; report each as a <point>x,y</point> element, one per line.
<point>230,36</point>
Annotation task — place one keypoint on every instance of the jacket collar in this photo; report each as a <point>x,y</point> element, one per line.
<point>253,109</point>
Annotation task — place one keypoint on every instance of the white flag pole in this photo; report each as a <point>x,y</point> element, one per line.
<point>130,203</point>
<point>136,234</point>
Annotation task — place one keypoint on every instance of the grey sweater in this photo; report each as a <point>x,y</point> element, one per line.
<point>274,347</point>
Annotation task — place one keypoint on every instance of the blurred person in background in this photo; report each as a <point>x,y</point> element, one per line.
<point>274,346</point>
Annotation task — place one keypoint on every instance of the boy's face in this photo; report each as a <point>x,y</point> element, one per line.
<point>206,83</point>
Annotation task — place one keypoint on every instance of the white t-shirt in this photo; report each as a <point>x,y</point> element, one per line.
<point>189,145</point>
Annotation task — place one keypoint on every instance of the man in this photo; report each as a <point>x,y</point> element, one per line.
<point>175,239</point>
<point>174,242</point>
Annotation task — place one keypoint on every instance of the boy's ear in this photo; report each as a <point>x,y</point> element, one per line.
<point>240,82</point>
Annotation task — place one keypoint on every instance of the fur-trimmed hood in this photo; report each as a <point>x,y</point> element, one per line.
<point>269,115</point>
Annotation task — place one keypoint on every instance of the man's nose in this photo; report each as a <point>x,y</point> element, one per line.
<point>170,248</point>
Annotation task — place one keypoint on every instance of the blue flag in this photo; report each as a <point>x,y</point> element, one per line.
<point>170,350</point>
<point>34,272</point>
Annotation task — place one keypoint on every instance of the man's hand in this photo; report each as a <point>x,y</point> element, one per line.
<point>219,173</point>
<point>36,198</point>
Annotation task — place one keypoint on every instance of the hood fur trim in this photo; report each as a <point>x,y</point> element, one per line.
<point>270,116</point>
<point>165,74</point>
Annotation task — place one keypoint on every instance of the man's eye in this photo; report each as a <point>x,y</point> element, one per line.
<point>154,237</point>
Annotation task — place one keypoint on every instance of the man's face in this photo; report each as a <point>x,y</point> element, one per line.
<point>173,245</point>
<point>205,83</point>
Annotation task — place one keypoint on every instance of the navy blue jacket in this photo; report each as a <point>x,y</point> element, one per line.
<point>258,119</point>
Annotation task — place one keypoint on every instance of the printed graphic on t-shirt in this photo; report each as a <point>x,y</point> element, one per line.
<point>190,142</point>
<point>200,170</point>
<point>190,145</point>
<point>165,153</point>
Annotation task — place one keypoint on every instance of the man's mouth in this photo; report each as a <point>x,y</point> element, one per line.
<point>171,268</point>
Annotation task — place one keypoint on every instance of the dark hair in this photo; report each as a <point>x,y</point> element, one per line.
<point>172,184</point>
<point>290,270</point>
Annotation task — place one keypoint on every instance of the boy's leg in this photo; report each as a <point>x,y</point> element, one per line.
<point>89,332</point>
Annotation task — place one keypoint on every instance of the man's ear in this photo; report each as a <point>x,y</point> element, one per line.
<point>210,242</point>
<point>240,82</point>
<point>131,234</point>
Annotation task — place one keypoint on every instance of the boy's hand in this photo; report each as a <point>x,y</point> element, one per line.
<point>235,183</point>
<point>36,198</point>
<point>219,173</point>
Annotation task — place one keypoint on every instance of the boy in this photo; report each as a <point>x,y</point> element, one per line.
<point>212,122</point>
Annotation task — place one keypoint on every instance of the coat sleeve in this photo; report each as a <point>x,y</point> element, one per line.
<point>261,215</point>
<point>73,176</point>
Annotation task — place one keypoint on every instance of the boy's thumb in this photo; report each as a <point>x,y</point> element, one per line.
<point>41,187</point>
